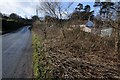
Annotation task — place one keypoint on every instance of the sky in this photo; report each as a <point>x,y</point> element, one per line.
<point>24,9</point>
<point>27,8</point>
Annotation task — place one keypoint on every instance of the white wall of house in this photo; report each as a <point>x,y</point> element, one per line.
<point>106,32</point>
<point>84,28</point>
<point>102,32</point>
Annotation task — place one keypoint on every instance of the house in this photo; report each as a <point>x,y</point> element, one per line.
<point>87,27</point>
<point>103,32</point>
<point>84,28</point>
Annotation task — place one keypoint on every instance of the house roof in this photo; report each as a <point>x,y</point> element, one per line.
<point>89,24</point>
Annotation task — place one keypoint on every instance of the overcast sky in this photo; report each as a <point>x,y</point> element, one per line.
<point>27,8</point>
<point>24,9</point>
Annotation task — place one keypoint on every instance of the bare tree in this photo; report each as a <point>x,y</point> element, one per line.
<point>54,9</point>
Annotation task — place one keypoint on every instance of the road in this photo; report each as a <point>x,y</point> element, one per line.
<point>17,54</point>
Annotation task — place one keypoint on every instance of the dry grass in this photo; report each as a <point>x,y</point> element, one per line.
<point>80,54</point>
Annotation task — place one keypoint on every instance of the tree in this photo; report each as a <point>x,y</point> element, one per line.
<point>34,18</point>
<point>87,8</point>
<point>56,13</point>
<point>14,16</point>
<point>51,8</point>
<point>54,9</point>
<point>1,15</point>
<point>83,15</point>
<point>97,3</point>
<point>80,6</point>
<point>105,9</point>
<point>109,9</point>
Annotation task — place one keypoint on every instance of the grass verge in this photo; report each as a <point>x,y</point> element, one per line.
<point>40,61</point>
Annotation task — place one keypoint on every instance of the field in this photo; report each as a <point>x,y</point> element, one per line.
<point>64,53</point>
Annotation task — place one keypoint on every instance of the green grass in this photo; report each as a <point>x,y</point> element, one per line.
<point>40,68</point>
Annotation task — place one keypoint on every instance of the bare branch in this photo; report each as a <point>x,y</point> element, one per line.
<point>54,9</point>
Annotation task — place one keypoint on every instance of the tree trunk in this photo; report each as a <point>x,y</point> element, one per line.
<point>117,38</point>
<point>117,44</point>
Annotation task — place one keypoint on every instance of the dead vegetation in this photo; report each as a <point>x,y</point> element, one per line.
<point>78,54</point>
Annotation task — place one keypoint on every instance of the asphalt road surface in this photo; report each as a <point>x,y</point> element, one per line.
<point>17,54</point>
